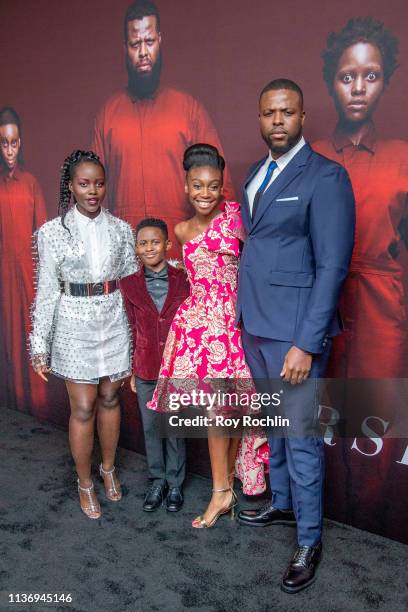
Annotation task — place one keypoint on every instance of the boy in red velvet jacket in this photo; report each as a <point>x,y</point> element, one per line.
<point>152,296</point>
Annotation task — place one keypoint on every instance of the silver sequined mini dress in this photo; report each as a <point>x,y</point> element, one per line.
<point>81,338</point>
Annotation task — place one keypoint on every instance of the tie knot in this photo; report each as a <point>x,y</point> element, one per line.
<point>272,165</point>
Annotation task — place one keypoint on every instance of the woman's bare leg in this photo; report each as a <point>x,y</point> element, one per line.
<point>108,420</point>
<point>232,454</point>
<point>219,456</point>
<point>82,399</point>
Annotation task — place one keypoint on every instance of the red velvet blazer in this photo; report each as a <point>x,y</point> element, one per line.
<point>150,327</point>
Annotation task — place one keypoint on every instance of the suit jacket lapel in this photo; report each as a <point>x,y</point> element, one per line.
<point>115,243</point>
<point>137,289</point>
<point>245,209</point>
<point>148,298</point>
<point>292,170</point>
<point>171,287</point>
<point>75,240</point>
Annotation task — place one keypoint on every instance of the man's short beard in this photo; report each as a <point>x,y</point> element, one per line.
<point>142,85</point>
<point>292,141</point>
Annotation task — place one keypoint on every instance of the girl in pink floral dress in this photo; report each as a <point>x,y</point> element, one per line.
<point>203,343</point>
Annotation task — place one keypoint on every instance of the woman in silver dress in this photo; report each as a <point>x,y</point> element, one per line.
<point>80,330</point>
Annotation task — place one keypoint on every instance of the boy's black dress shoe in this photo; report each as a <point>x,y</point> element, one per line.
<point>301,571</point>
<point>154,497</point>
<point>174,499</point>
<point>267,515</point>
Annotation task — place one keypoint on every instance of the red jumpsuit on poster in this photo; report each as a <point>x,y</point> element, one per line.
<point>141,142</point>
<point>371,356</point>
<point>373,304</point>
<point>22,211</point>
<point>374,345</point>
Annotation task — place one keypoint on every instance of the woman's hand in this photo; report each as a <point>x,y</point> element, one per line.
<point>133,383</point>
<point>40,366</point>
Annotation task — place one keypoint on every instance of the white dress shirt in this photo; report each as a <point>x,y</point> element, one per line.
<point>95,237</point>
<point>282,162</point>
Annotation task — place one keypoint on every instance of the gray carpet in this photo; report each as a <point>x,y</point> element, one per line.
<point>131,560</point>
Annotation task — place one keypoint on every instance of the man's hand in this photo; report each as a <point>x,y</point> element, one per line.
<point>133,383</point>
<point>296,366</point>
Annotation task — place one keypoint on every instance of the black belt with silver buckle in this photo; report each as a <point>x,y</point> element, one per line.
<point>89,289</point>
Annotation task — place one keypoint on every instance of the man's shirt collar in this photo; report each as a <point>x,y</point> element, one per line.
<point>284,159</point>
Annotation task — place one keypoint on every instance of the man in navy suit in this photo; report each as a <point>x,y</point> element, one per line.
<point>299,215</point>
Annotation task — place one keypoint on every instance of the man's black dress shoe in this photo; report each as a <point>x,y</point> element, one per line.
<point>267,515</point>
<point>154,497</point>
<point>174,499</point>
<point>301,571</point>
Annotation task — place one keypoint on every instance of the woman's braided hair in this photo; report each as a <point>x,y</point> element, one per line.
<point>76,158</point>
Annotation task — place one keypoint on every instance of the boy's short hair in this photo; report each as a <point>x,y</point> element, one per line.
<point>153,222</point>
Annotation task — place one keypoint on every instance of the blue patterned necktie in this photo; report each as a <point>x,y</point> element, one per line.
<point>263,186</point>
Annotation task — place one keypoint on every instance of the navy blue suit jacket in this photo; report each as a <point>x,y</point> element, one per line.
<point>297,252</point>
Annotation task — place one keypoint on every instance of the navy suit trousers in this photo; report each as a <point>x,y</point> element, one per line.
<point>296,461</point>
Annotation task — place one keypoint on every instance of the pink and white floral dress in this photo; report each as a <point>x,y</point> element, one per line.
<point>203,343</point>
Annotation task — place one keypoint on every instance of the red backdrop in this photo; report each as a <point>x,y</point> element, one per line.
<point>61,60</point>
